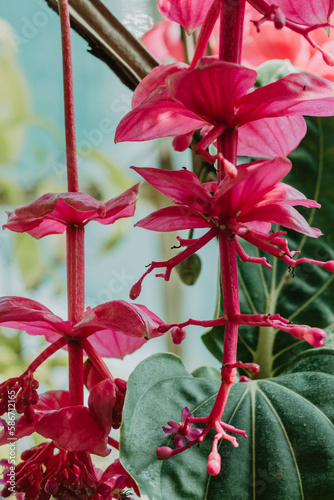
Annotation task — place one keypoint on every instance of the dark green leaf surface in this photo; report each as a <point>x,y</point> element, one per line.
<point>289,453</point>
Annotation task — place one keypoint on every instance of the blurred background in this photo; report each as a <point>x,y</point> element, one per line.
<point>32,161</point>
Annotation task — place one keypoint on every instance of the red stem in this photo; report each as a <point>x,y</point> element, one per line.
<point>96,360</point>
<point>71,155</point>
<point>74,235</point>
<point>51,349</point>
<point>231,29</point>
<point>230,44</point>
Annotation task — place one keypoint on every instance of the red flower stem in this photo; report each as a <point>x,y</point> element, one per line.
<point>230,45</point>
<point>76,305</point>
<point>96,359</point>
<point>231,29</point>
<point>71,154</point>
<point>74,235</point>
<point>231,310</point>
<point>205,33</point>
<point>51,349</point>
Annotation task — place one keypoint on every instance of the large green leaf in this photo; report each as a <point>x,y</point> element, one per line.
<point>304,297</point>
<point>289,453</point>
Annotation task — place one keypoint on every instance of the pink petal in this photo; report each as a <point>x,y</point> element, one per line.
<point>271,137</point>
<point>306,13</point>
<point>119,207</point>
<point>173,219</point>
<point>295,94</point>
<point>53,212</point>
<point>262,178</point>
<point>189,13</point>
<point>101,402</point>
<point>32,317</point>
<point>155,79</point>
<point>158,116</point>
<point>164,41</point>
<point>74,429</point>
<point>118,328</point>
<point>181,186</point>
<point>113,344</point>
<point>233,194</point>
<point>284,215</point>
<point>52,400</point>
<point>211,89</point>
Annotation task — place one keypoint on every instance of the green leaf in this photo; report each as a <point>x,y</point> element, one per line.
<point>305,298</point>
<point>289,453</point>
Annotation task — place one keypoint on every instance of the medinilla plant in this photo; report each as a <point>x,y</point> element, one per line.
<point>262,425</point>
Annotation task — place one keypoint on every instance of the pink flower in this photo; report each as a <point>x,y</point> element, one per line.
<point>47,472</point>
<point>78,428</point>
<point>244,207</point>
<point>53,212</point>
<point>188,13</point>
<point>216,95</point>
<point>73,428</point>
<point>182,430</point>
<point>115,328</point>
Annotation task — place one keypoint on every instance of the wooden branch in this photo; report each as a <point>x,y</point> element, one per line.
<point>109,40</point>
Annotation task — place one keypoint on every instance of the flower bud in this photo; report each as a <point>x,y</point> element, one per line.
<point>189,269</point>
<point>243,378</point>
<point>329,266</point>
<point>178,334</point>
<point>135,291</point>
<point>164,452</point>
<point>315,336</point>
<point>214,463</point>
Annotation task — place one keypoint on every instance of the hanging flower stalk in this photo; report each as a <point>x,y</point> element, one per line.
<point>216,96</point>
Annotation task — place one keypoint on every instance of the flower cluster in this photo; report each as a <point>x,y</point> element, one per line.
<point>213,105</point>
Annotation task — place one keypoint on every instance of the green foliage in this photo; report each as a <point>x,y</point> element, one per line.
<point>289,419</point>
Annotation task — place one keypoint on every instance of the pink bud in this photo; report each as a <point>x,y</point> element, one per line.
<point>329,266</point>
<point>243,378</point>
<point>252,367</point>
<point>164,452</point>
<point>327,57</point>
<point>315,336</point>
<point>178,334</point>
<point>214,463</point>
<point>135,291</point>
<point>182,142</point>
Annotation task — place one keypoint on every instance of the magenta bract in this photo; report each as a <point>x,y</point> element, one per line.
<point>53,212</point>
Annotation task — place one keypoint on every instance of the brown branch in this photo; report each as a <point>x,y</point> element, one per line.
<point>109,40</point>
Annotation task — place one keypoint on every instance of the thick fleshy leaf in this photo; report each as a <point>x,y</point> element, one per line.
<point>53,212</point>
<point>271,137</point>
<point>188,13</point>
<point>74,429</point>
<point>289,452</point>
<point>32,317</point>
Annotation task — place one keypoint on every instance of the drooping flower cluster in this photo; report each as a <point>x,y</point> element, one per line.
<point>216,98</point>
